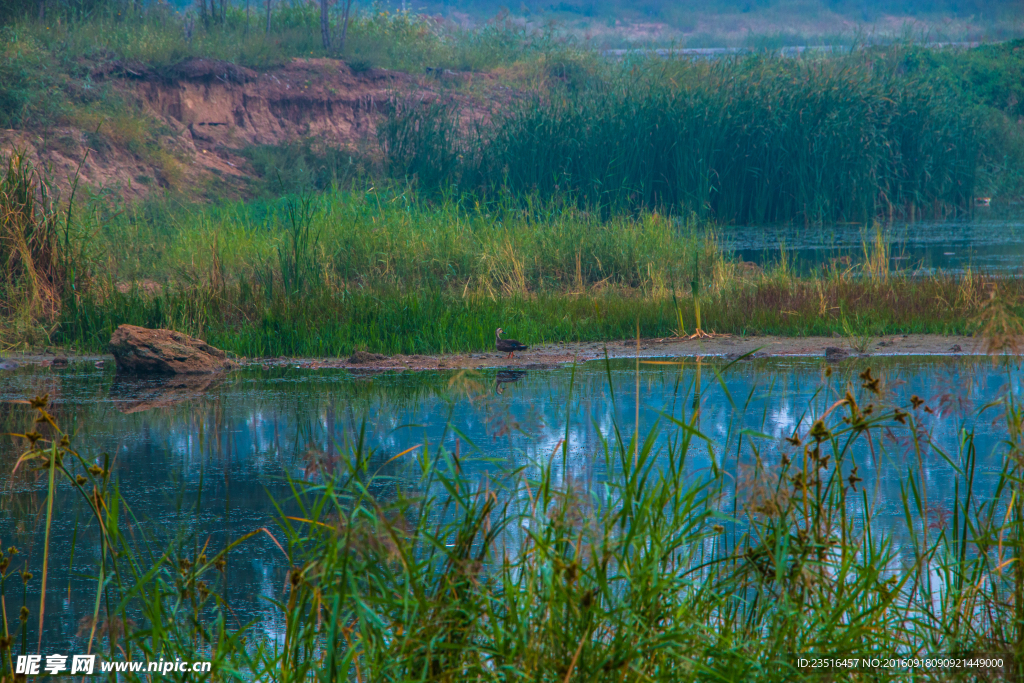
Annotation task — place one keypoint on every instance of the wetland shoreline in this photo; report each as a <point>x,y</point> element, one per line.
<point>551,355</point>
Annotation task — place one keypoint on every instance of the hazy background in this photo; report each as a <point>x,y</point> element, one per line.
<point>685,23</point>
<point>697,23</point>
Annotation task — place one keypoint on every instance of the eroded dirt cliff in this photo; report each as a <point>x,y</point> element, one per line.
<point>205,112</point>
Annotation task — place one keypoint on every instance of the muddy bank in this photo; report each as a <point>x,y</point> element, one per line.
<point>549,355</point>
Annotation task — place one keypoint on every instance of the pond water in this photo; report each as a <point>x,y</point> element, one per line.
<point>203,462</point>
<point>991,242</point>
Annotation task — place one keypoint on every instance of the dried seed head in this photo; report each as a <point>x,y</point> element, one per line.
<point>819,431</point>
<point>853,479</point>
<point>870,383</point>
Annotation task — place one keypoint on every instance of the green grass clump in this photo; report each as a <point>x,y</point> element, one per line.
<point>660,571</point>
<point>30,85</point>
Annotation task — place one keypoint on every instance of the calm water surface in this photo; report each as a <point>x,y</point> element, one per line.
<point>202,463</point>
<point>991,241</point>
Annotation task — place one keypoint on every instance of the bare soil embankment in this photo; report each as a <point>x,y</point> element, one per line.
<point>202,113</point>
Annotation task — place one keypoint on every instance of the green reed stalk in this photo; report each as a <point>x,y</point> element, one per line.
<point>748,141</point>
<point>50,492</point>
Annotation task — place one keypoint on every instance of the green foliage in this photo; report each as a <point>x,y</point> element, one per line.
<point>749,141</point>
<point>989,80</point>
<point>388,273</point>
<point>322,276</point>
<point>158,36</point>
<point>303,165</point>
<point>29,84</point>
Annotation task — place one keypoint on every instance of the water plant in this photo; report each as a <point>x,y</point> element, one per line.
<point>685,562</point>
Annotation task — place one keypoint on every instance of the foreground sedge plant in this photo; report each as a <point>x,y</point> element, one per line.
<point>681,565</point>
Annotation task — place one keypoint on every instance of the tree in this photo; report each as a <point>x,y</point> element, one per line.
<point>325,26</point>
<point>344,24</point>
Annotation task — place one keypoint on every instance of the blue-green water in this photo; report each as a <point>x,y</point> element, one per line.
<point>989,242</point>
<point>203,462</point>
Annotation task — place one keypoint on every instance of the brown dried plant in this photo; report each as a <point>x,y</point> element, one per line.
<point>761,491</point>
<point>1000,327</point>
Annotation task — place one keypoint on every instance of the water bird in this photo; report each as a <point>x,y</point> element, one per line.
<point>982,201</point>
<point>509,346</point>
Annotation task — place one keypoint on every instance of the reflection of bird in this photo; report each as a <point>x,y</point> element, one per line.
<point>507,377</point>
<point>509,346</point>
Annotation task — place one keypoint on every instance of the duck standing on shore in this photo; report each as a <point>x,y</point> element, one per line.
<point>509,346</point>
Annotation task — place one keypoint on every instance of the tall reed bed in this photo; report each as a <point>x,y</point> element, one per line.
<point>324,276</point>
<point>40,252</point>
<point>320,275</point>
<point>659,572</point>
<point>385,270</point>
<point>751,140</point>
<point>392,238</point>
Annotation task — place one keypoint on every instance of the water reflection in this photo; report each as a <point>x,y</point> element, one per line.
<point>990,242</point>
<point>204,462</point>
<point>138,394</point>
<point>507,377</point>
